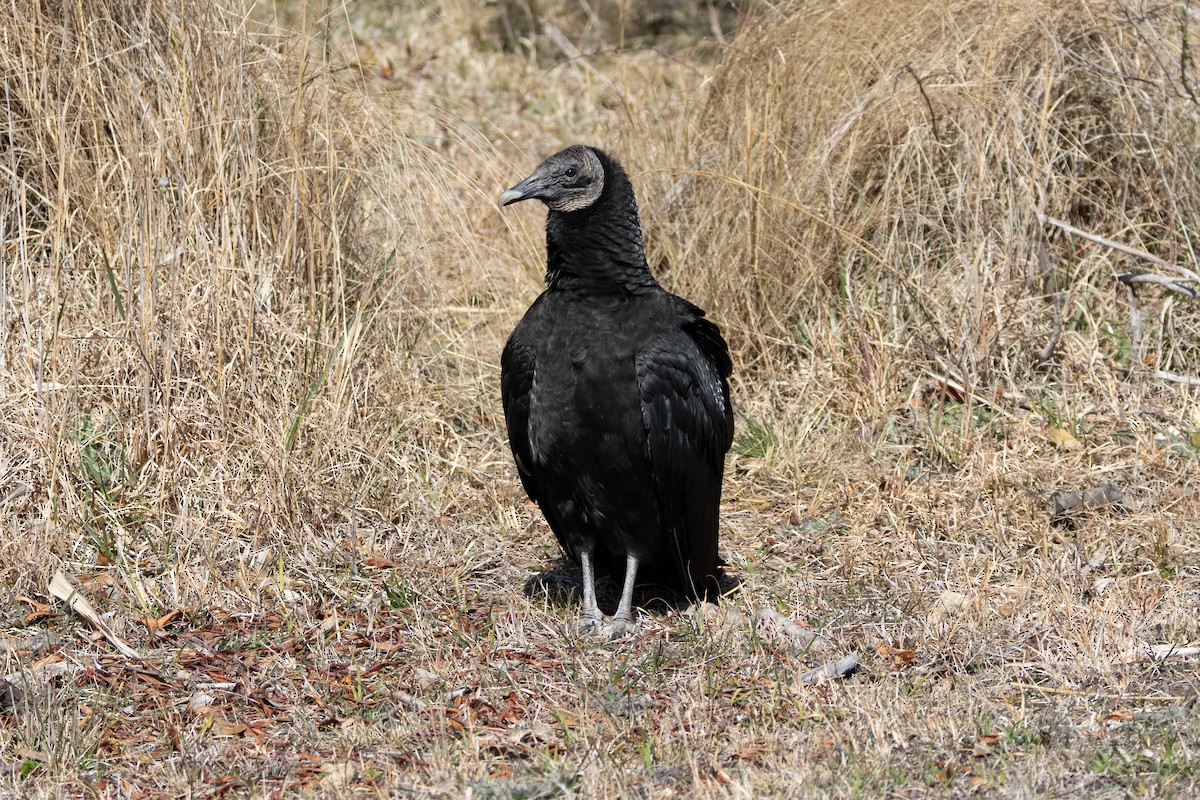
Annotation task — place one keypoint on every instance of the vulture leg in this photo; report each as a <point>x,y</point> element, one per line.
<point>591,617</point>
<point>622,622</point>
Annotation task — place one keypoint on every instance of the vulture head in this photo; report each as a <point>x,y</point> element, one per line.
<point>569,180</point>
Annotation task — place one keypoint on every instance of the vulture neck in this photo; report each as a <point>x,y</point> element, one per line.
<point>598,249</point>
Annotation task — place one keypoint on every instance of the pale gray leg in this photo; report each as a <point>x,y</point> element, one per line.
<point>622,622</point>
<point>590,617</point>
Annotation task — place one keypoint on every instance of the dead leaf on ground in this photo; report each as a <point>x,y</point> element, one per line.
<point>1063,439</point>
<point>1062,505</point>
<point>948,604</point>
<point>895,658</point>
<point>39,611</point>
<point>201,702</point>
<point>338,776</point>
<point>155,625</point>
<point>222,728</point>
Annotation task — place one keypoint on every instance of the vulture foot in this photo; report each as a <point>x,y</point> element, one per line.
<point>588,624</point>
<point>620,627</point>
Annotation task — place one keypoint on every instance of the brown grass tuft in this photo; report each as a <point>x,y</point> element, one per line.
<point>183,250</point>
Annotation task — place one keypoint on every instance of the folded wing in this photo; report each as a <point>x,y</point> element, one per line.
<point>684,390</point>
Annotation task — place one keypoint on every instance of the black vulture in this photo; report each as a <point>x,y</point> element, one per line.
<point>616,395</point>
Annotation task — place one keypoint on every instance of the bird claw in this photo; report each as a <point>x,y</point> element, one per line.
<point>594,626</point>
<point>618,629</point>
<point>587,624</point>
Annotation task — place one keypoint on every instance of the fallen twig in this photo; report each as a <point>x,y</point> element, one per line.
<point>65,591</point>
<point>1044,355</point>
<point>1171,376</point>
<point>830,670</point>
<point>933,122</point>
<point>958,387</point>
<point>1168,650</point>
<point>35,643</point>
<point>1171,284</point>
<point>1135,322</point>
<point>772,619</point>
<point>1093,237</point>
<point>1166,698</point>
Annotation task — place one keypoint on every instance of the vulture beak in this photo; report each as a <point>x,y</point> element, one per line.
<point>525,190</point>
<point>513,195</point>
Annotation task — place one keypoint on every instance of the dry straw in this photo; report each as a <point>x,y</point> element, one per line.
<point>182,250</point>
<point>254,288</point>
<point>885,174</point>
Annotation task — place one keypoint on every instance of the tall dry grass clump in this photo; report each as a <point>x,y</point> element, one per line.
<point>182,265</point>
<point>881,183</point>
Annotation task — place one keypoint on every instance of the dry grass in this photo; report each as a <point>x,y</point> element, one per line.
<point>253,293</point>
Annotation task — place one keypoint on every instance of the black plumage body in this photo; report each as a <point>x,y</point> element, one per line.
<point>616,396</point>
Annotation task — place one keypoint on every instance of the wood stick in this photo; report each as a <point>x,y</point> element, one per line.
<point>1124,248</point>
<point>830,670</point>
<point>1167,698</point>
<point>1167,650</point>
<point>62,589</point>
<point>1162,280</point>
<point>1171,376</point>
<point>978,398</point>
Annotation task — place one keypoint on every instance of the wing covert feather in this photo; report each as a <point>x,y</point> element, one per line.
<point>516,384</point>
<point>689,425</point>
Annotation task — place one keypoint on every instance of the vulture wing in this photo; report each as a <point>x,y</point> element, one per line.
<point>516,384</point>
<point>689,427</point>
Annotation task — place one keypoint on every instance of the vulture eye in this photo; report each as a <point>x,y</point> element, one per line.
<point>570,172</point>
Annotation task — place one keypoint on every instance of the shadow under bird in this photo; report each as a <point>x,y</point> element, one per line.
<point>616,395</point>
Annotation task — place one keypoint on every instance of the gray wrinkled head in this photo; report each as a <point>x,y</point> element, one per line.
<point>569,180</point>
